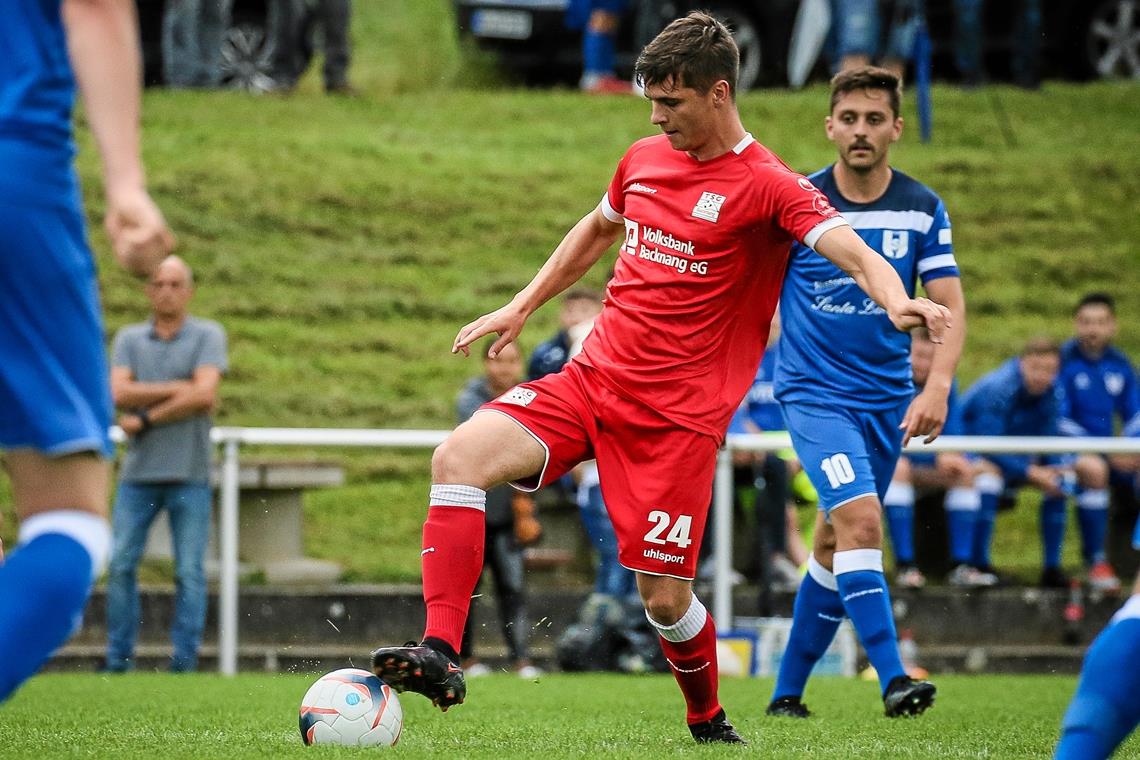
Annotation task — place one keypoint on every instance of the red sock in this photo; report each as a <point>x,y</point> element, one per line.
<point>693,661</point>
<point>452,559</point>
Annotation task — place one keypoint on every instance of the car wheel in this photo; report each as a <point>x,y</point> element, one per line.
<point>747,36</point>
<point>247,58</point>
<point>1112,39</point>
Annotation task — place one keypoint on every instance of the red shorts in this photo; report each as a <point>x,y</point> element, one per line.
<point>656,476</point>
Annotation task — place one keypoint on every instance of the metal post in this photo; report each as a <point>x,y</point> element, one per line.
<point>722,540</point>
<point>228,539</point>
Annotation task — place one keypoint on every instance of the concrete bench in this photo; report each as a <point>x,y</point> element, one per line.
<point>270,527</point>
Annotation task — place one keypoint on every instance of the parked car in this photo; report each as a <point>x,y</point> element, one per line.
<point>247,47</point>
<point>1083,39</point>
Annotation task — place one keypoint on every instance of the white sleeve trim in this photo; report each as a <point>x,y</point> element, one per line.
<point>941,261</point>
<point>608,211</point>
<point>826,225</point>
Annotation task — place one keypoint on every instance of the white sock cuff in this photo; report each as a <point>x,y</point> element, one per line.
<point>963,499</point>
<point>858,559</point>
<point>1094,499</point>
<point>821,574</point>
<point>687,627</point>
<point>458,496</point>
<point>1130,610</point>
<point>89,530</point>
<point>989,483</point>
<point>899,495</point>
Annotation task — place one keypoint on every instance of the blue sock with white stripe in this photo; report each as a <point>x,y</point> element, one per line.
<point>863,589</point>
<point>989,491</point>
<point>1054,515</point>
<point>962,506</point>
<point>44,586</point>
<point>1092,514</point>
<point>1106,707</point>
<point>816,617</point>
<point>898,503</point>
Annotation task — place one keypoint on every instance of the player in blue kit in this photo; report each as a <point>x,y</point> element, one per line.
<point>844,382</point>
<point>55,403</point>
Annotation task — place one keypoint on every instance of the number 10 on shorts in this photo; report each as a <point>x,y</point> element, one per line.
<point>838,470</point>
<point>678,534</point>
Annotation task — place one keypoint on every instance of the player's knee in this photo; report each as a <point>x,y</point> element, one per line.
<point>1092,471</point>
<point>665,607</point>
<point>450,464</point>
<point>902,472</point>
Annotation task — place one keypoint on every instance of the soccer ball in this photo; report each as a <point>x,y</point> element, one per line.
<point>351,707</point>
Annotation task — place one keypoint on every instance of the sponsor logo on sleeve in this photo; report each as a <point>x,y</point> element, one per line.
<point>637,187</point>
<point>708,206</point>
<point>518,397</point>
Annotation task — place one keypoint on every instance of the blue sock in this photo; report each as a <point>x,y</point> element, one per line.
<point>1092,514</point>
<point>1106,707</point>
<point>898,503</point>
<point>816,617</point>
<point>597,53</point>
<point>989,490</point>
<point>1053,518</point>
<point>962,505</point>
<point>859,575</point>
<point>44,586</point>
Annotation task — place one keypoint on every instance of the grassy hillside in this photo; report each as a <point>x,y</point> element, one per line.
<point>343,241</point>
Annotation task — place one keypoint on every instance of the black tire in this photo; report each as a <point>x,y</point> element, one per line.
<point>746,32</point>
<point>1111,40</point>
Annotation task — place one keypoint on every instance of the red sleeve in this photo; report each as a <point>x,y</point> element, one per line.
<point>795,205</point>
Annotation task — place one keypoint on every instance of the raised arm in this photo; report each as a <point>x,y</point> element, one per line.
<point>844,248</point>
<point>583,245</point>
<point>102,37</point>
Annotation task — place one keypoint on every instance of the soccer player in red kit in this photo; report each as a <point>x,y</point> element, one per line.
<point>707,216</point>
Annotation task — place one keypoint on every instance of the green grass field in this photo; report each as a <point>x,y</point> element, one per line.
<point>203,716</point>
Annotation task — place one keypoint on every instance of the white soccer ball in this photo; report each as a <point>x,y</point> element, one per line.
<point>351,707</point>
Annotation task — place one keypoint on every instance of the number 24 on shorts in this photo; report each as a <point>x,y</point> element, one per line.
<point>678,534</point>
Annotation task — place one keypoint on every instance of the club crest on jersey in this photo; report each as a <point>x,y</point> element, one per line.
<point>518,397</point>
<point>895,243</point>
<point>1113,383</point>
<point>708,207</point>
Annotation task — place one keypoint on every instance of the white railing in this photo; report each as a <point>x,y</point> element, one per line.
<point>231,439</point>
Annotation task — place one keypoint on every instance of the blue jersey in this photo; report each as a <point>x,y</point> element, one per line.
<point>1095,390</point>
<point>998,404</point>
<point>37,91</point>
<point>837,344</point>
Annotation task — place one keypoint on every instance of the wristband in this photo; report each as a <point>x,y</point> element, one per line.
<point>144,418</point>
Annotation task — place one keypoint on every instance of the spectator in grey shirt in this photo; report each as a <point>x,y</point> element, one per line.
<point>165,374</point>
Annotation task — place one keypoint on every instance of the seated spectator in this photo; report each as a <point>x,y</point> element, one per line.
<point>599,21</point>
<point>950,472</point>
<point>510,525</point>
<point>862,40</point>
<point>1021,398</point>
<point>1026,43</point>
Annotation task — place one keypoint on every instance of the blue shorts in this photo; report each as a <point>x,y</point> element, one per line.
<point>54,391</point>
<point>846,454</point>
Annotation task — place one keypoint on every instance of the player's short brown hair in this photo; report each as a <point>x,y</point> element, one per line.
<point>695,51</point>
<point>1041,345</point>
<point>867,78</point>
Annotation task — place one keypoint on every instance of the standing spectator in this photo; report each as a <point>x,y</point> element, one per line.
<point>294,23</point>
<point>862,40</point>
<point>599,21</point>
<point>165,374</point>
<point>56,406</point>
<point>510,525</point>
<point>1022,398</point>
<point>1026,43</point>
<point>192,33</point>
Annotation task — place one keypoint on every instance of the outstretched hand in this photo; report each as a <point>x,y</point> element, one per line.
<point>926,416</point>
<point>506,322</point>
<point>919,312</point>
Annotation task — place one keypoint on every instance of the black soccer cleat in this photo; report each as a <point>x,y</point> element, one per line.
<point>788,707</point>
<point>421,669</point>
<point>907,697</point>
<point>716,729</point>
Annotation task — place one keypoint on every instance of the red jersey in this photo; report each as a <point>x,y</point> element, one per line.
<point>699,274</point>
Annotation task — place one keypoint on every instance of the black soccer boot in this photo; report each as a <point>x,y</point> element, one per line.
<point>907,697</point>
<point>418,668</point>
<point>788,707</point>
<point>716,729</point>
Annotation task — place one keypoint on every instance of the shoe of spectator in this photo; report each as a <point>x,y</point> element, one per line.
<point>706,571</point>
<point>910,576</point>
<point>476,670</point>
<point>528,672</point>
<point>345,90</point>
<point>785,575</point>
<point>965,576</point>
<point>1054,577</point>
<point>609,86</point>
<point>1103,579</point>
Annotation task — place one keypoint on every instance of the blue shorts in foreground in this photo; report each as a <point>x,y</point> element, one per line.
<point>846,454</point>
<point>54,392</point>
